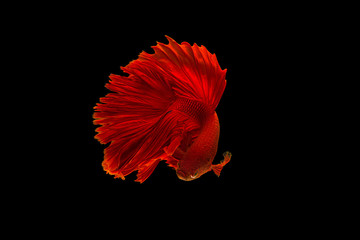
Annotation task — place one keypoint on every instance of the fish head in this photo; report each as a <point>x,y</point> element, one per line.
<point>189,171</point>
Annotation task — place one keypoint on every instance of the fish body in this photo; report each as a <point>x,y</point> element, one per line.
<point>164,110</point>
<point>198,158</point>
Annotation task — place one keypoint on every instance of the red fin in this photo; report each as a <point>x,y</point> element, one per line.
<point>171,161</point>
<point>129,117</point>
<point>136,146</point>
<point>169,150</point>
<point>194,72</point>
<point>146,170</point>
<point>218,167</point>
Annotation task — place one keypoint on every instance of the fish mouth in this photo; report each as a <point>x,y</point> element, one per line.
<point>183,176</point>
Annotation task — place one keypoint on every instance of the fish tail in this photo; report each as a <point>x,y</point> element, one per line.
<point>135,119</point>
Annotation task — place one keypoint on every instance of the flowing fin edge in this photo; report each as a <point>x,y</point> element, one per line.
<point>147,169</point>
<point>171,129</point>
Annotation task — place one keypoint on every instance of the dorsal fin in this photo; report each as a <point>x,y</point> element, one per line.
<point>193,71</point>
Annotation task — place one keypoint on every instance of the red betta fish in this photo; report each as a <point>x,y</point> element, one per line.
<point>163,110</point>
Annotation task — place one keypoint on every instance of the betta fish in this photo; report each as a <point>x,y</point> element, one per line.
<point>163,110</point>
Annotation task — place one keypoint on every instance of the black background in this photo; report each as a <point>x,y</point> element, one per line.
<point>270,52</point>
<point>257,112</point>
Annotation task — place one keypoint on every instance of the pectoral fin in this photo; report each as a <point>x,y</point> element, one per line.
<point>218,167</point>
